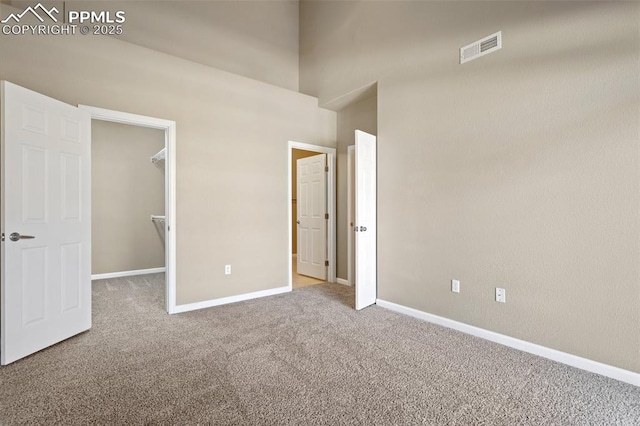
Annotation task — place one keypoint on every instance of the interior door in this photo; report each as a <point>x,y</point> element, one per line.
<point>312,223</point>
<point>46,222</point>
<point>351,214</point>
<point>365,223</point>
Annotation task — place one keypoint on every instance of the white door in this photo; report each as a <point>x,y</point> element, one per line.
<point>351,214</point>
<point>46,222</point>
<point>312,222</point>
<point>365,223</point>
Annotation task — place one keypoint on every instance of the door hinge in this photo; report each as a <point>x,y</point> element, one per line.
<point>326,263</point>
<point>326,168</point>
<point>3,236</point>
<point>326,215</point>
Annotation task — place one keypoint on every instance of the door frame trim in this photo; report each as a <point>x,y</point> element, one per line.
<point>169,128</point>
<point>331,206</point>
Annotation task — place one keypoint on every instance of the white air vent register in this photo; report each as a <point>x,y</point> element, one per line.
<point>481,47</point>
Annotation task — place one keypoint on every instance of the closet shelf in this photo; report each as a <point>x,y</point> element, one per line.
<point>155,218</point>
<point>159,156</point>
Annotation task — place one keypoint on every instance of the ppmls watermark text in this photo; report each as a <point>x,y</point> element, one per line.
<point>77,21</point>
<point>39,29</point>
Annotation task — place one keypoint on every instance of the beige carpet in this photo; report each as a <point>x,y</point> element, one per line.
<point>301,358</point>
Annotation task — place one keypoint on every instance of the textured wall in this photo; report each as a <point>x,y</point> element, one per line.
<point>126,188</point>
<point>232,157</point>
<point>519,169</point>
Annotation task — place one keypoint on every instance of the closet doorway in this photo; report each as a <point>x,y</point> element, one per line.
<point>161,224</point>
<point>311,218</point>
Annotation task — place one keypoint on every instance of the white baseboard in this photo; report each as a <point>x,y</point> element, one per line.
<point>342,281</point>
<point>127,273</point>
<point>552,354</point>
<point>231,299</point>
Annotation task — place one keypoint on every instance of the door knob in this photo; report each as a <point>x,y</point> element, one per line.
<point>16,237</point>
<point>298,222</point>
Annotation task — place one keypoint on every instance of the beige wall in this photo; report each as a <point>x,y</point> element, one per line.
<point>255,39</point>
<point>519,169</point>
<point>296,154</point>
<point>126,188</point>
<point>360,115</point>
<point>232,155</point>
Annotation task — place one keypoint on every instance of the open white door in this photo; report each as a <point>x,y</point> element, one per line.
<point>46,222</point>
<point>365,223</point>
<point>351,214</point>
<point>312,222</point>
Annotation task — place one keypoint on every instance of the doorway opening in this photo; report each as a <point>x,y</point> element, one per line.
<point>162,222</point>
<point>312,256</point>
<point>309,274</point>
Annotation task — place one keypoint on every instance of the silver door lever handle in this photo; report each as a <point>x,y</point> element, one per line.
<point>16,237</point>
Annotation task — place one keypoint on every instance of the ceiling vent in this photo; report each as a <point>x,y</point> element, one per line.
<point>481,47</point>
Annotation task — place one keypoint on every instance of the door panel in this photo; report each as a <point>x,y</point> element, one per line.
<point>312,226</point>
<point>71,187</point>
<point>71,265</point>
<point>46,183</point>
<point>365,223</point>
<point>34,284</point>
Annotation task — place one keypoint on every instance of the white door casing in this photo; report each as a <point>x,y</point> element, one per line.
<point>312,223</point>
<point>169,128</point>
<point>46,178</point>
<point>365,223</point>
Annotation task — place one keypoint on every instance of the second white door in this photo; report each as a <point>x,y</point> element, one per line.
<point>312,222</point>
<point>45,279</point>
<point>365,219</point>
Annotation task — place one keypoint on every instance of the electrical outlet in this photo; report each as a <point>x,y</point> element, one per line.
<point>501,295</point>
<point>455,286</point>
<point>227,269</point>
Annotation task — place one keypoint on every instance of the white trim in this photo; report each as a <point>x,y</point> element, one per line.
<point>231,299</point>
<point>342,281</point>
<point>127,273</point>
<point>169,128</point>
<point>331,206</point>
<point>522,345</point>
